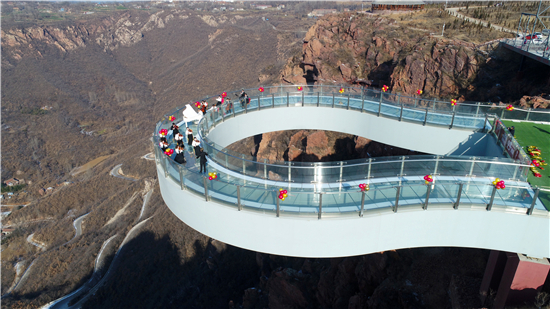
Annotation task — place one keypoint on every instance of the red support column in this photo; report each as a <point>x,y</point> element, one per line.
<point>514,277</point>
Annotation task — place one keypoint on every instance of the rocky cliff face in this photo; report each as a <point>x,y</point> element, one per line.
<point>364,50</point>
<point>110,33</point>
<point>374,51</point>
<point>314,146</point>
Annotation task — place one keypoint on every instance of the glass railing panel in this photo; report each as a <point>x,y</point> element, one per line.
<point>414,167</point>
<point>379,198</point>
<point>515,114</point>
<point>300,202</point>
<point>390,110</point>
<point>413,114</point>
<point>379,170</point>
<point>444,193</point>
<point>342,202</point>
<point>413,195</point>
<point>513,196</point>
<point>258,198</point>
<point>438,119</point>
<point>173,170</point>
<point>453,167</point>
<point>538,116</point>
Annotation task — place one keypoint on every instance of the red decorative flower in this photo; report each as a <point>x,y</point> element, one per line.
<point>453,102</point>
<point>300,88</point>
<point>261,89</point>
<point>419,91</point>
<point>385,88</point>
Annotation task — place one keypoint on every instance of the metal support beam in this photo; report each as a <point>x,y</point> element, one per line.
<point>278,204</point>
<point>380,104</point>
<point>239,205</point>
<point>428,190</point>
<point>318,99</point>
<point>490,205</point>
<point>397,199</point>
<point>425,117</point>
<point>205,188</point>
<point>362,203</point>
<point>289,172</point>
<point>535,197</point>
<point>452,121</point>
<point>182,183</point>
<point>320,205</point>
<point>460,186</point>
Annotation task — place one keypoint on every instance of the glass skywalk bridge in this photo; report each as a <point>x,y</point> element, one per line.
<point>332,187</point>
<point>239,207</point>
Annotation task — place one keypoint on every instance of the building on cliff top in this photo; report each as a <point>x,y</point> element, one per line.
<point>321,12</point>
<point>397,5</point>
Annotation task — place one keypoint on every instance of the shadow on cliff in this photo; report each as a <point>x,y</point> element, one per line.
<point>158,277</point>
<point>505,77</point>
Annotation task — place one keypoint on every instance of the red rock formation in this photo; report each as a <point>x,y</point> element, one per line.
<point>347,48</point>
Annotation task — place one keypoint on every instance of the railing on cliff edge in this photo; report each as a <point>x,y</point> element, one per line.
<point>519,170</point>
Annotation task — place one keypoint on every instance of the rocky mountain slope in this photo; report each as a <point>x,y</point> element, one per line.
<point>375,51</point>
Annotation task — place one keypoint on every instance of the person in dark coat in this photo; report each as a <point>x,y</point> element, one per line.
<point>189,133</point>
<point>202,160</point>
<point>175,129</point>
<point>197,146</point>
<point>243,98</point>
<point>512,130</point>
<point>180,157</point>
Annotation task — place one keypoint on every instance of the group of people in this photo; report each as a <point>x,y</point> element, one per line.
<point>192,141</point>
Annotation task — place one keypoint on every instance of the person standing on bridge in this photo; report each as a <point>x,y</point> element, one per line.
<point>178,137</point>
<point>175,129</point>
<point>202,160</point>
<point>197,146</point>
<point>243,98</point>
<point>180,157</point>
<point>189,134</point>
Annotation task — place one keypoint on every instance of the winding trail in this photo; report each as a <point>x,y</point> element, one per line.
<point>77,224</point>
<point>454,12</point>
<point>149,156</point>
<point>18,270</point>
<point>116,173</point>
<point>30,239</point>
<point>145,201</point>
<point>23,278</point>
<point>64,301</point>
<point>93,290</point>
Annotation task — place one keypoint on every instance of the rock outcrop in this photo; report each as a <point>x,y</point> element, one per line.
<point>363,50</point>
<point>313,146</point>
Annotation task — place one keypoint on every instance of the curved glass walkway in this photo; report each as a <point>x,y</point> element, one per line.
<point>329,189</point>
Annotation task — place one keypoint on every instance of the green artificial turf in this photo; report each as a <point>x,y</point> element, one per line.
<point>528,134</point>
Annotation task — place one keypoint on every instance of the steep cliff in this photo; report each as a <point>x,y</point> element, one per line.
<point>370,50</point>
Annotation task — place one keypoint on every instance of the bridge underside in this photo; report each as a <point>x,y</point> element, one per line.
<point>528,54</point>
